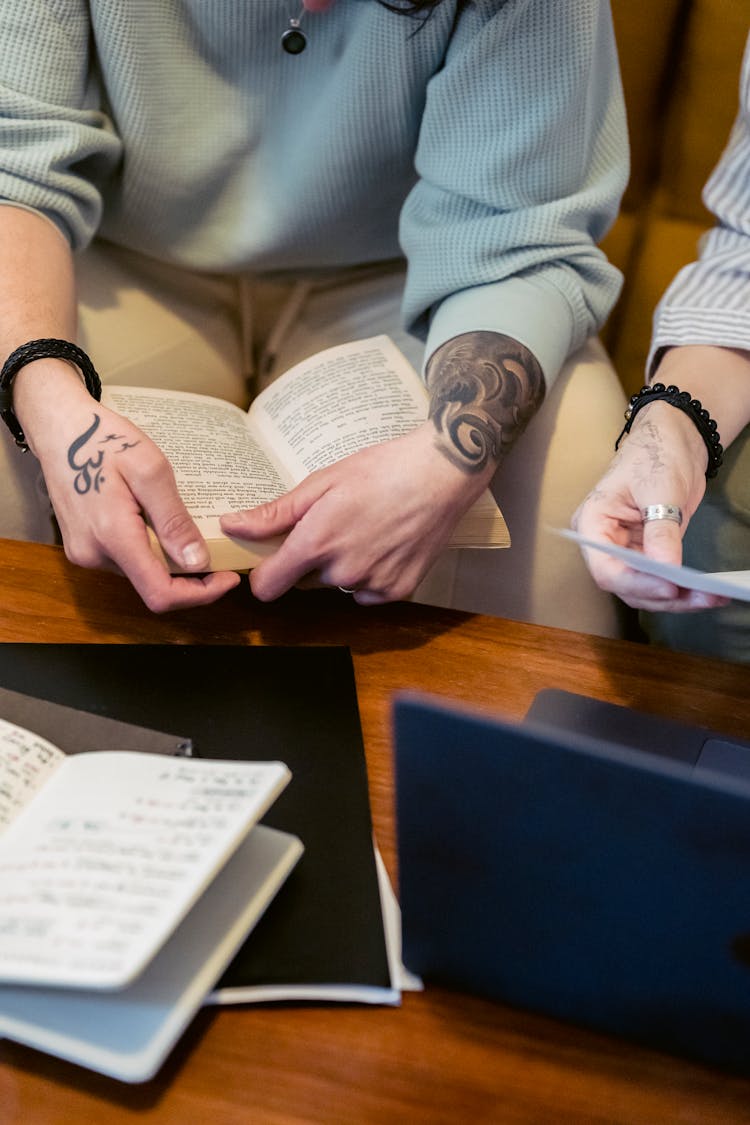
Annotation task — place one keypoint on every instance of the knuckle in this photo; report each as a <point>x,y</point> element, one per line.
<point>399,591</point>
<point>261,589</point>
<point>83,553</point>
<point>608,585</point>
<point>313,544</point>
<point>402,586</point>
<point>349,579</point>
<point>176,525</point>
<point>105,524</point>
<point>270,511</point>
<point>151,464</point>
<point>155,600</point>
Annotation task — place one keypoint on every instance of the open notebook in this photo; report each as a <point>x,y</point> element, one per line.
<point>128,1034</point>
<point>120,873</point>
<point>333,931</point>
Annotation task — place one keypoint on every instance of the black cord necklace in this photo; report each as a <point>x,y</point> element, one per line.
<point>294,39</point>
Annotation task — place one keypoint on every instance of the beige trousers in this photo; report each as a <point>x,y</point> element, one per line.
<point>148,324</point>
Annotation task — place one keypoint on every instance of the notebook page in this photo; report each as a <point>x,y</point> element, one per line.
<point>26,762</point>
<point>111,855</point>
<point>129,1034</point>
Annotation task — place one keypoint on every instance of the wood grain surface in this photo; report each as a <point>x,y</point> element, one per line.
<point>441,1057</point>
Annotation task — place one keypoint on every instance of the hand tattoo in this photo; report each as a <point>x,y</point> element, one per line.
<point>88,472</point>
<point>484,387</point>
<point>648,439</point>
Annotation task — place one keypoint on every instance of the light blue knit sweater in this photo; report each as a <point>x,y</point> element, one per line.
<point>490,149</point>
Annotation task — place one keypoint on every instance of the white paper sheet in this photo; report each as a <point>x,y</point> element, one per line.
<point>729,583</point>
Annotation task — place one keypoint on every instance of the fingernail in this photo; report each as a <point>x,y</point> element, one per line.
<point>194,554</point>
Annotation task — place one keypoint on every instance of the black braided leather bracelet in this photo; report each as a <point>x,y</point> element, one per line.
<point>27,353</point>
<point>691,406</point>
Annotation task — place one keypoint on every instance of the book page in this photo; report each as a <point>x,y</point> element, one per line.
<point>218,464</point>
<point>26,762</point>
<point>102,866</point>
<point>339,401</point>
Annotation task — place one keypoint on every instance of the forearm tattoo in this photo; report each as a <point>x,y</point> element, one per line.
<point>88,466</point>
<point>484,387</point>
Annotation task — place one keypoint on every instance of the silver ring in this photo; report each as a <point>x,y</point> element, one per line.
<point>348,589</point>
<point>662,512</point>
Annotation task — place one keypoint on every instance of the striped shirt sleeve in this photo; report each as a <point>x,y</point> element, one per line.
<point>708,302</point>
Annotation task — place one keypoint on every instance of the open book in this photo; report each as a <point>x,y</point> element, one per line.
<point>119,875</point>
<point>337,402</point>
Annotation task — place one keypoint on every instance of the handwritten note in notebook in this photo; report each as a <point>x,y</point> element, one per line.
<point>26,761</point>
<point>104,853</point>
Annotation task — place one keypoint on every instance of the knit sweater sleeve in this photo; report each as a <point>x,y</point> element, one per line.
<point>522,160</point>
<point>707,303</point>
<point>56,145</point>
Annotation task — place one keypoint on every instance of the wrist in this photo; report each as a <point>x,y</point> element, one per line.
<point>45,392</point>
<point>29,370</point>
<point>452,480</point>
<point>679,429</point>
<point>718,376</point>
<point>38,379</point>
<point>681,401</point>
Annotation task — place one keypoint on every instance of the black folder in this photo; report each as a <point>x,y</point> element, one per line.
<point>295,704</point>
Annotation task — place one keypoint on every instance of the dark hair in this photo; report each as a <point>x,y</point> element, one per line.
<point>411,7</point>
<point>415,7</point>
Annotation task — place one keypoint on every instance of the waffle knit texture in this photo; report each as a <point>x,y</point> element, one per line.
<point>487,146</point>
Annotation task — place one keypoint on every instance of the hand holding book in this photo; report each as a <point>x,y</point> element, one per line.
<point>366,497</point>
<point>373,522</point>
<point>141,479</point>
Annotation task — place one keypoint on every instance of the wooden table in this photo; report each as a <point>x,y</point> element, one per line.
<point>441,1057</point>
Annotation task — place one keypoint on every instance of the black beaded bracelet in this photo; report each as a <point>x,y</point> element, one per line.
<point>27,353</point>
<point>690,406</point>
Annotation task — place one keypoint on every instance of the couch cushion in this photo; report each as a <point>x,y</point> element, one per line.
<point>680,62</point>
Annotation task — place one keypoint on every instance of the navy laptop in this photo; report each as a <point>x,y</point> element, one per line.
<point>576,874</point>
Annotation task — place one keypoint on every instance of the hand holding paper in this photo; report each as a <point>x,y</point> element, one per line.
<point>661,461</point>
<point>697,589</point>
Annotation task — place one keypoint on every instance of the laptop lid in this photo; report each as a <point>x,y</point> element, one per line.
<point>594,883</point>
<point>626,726</point>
